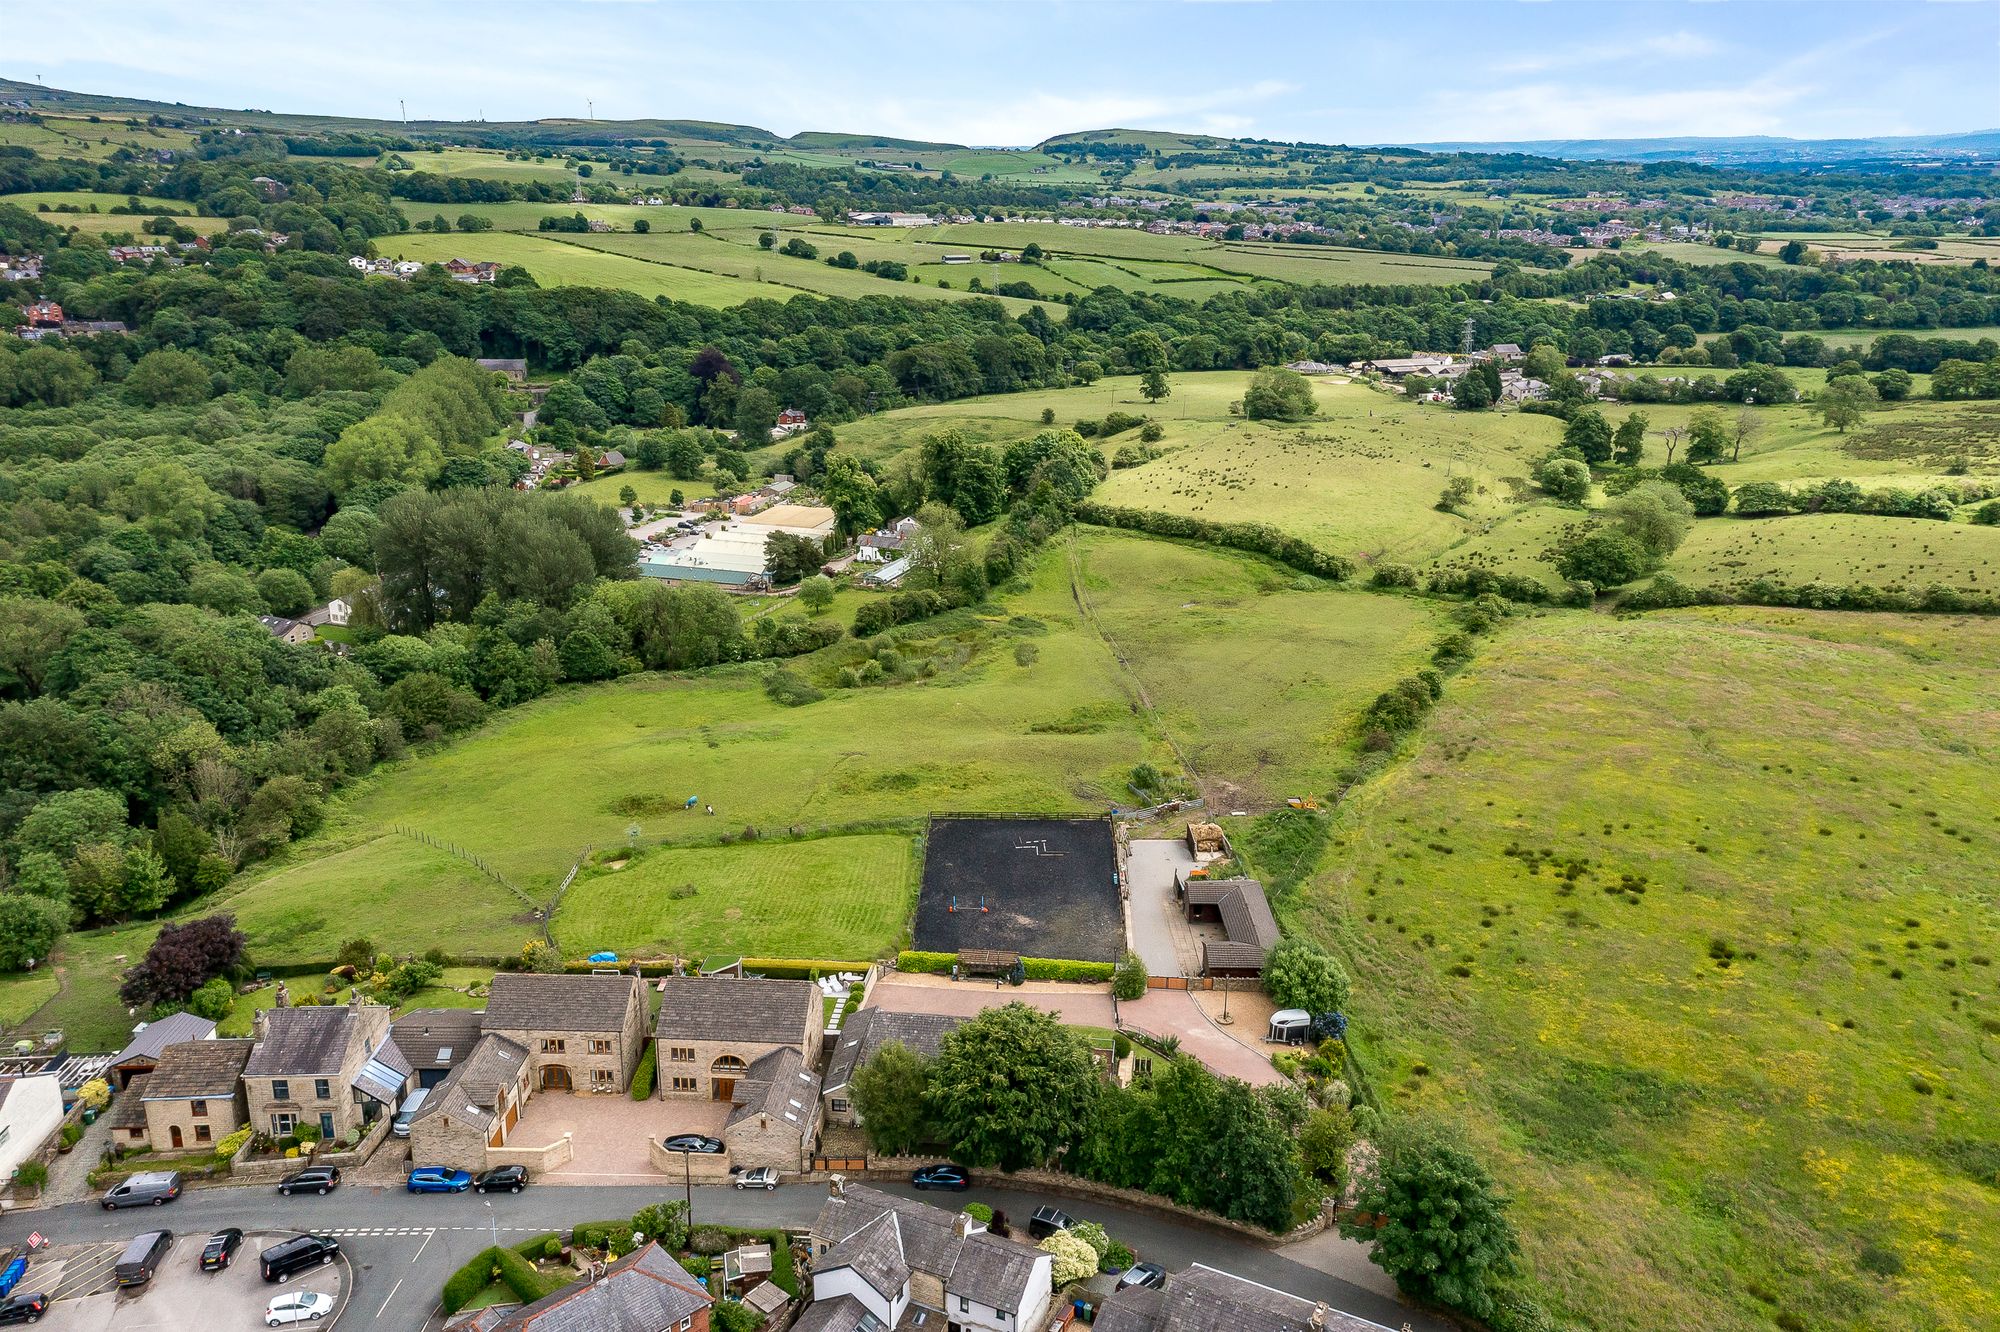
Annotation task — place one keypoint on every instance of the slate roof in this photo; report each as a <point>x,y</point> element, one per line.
<point>845,1314</point>
<point>991,1270</point>
<point>525,1001</point>
<point>470,1093</point>
<point>157,1036</point>
<point>1202,1299</point>
<point>196,1070</point>
<point>1246,919</point>
<point>874,1253</point>
<point>437,1038</point>
<point>643,1292</point>
<point>302,1041</point>
<point>779,1085</point>
<point>128,1108</point>
<point>736,1008</point>
<point>872,1028</point>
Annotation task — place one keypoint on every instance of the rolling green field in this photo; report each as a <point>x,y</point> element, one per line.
<point>1761,1077</point>
<point>103,220</point>
<point>1840,548</point>
<point>76,136</point>
<point>835,897</point>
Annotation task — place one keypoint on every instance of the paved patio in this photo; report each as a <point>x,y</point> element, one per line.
<point>608,1135</point>
<point>1077,1005</point>
<point>1176,1013</point>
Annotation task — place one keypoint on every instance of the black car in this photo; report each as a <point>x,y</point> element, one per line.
<point>220,1251</point>
<point>313,1179</point>
<point>1144,1274</point>
<point>1048,1220</point>
<point>295,1255</point>
<point>693,1142</point>
<point>501,1179</point>
<point>941,1177</point>
<point>24,1308</point>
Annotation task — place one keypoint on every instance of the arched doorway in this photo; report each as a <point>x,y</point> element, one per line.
<point>555,1077</point>
<point>174,1135</point>
<point>723,1074</point>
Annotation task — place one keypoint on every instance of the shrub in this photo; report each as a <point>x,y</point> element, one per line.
<point>1093,1234</point>
<point>1116,1258</point>
<point>643,1075</point>
<point>1075,1260</point>
<point>979,1212</point>
<point>1255,538</point>
<point>936,964</point>
<point>1128,980</point>
<point>32,1175</point>
<point>232,1144</point>
<point>711,1240</point>
<point>1062,969</point>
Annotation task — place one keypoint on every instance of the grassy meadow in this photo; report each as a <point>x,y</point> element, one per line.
<point>79,136</point>
<point>1740,1062</point>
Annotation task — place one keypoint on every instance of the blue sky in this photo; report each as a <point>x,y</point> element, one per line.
<point>1013,73</point>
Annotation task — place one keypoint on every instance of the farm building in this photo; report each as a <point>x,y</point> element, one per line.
<point>1032,887</point>
<point>732,554</point>
<point>1249,929</point>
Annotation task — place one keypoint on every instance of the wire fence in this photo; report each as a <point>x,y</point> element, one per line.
<point>460,853</point>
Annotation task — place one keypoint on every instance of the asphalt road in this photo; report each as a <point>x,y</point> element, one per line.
<point>402,1246</point>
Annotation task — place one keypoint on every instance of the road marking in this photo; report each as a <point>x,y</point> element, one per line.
<point>392,1295</point>
<point>421,1247</point>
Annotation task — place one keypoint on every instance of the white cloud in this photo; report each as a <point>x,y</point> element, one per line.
<point>1032,116</point>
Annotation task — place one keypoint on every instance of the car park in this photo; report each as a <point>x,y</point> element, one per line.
<point>1151,1275</point>
<point>501,1179</point>
<point>297,1306</point>
<point>693,1142</point>
<point>313,1179</point>
<point>220,1251</point>
<point>758,1177</point>
<point>947,1176</point>
<point>155,1187</point>
<point>296,1255</point>
<point>1049,1220</point>
<point>439,1179</point>
<point>142,1257</point>
<point>27,1307</point>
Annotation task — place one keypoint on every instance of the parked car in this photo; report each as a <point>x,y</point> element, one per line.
<point>313,1179</point>
<point>296,1255</point>
<point>297,1306</point>
<point>1048,1220</point>
<point>220,1251</point>
<point>950,1177</point>
<point>758,1177</point>
<point>1144,1274</point>
<point>501,1179</point>
<point>142,1257</point>
<point>439,1179</point>
<point>24,1308</point>
<point>400,1125</point>
<point>155,1187</point>
<point>693,1142</point>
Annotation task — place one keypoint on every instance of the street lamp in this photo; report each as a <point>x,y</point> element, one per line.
<point>493,1220</point>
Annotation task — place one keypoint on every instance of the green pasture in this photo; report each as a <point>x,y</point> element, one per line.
<point>24,992</point>
<point>556,263</point>
<point>1840,548</point>
<point>837,897</point>
<point>1692,252</point>
<point>77,137</point>
<point>104,221</point>
<point>1742,1063</point>
<point>654,487</point>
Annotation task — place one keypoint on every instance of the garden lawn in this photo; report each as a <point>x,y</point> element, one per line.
<point>1743,1062</point>
<point>844,898</point>
<point>22,993</point>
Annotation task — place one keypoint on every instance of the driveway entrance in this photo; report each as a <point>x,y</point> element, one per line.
<point>1161,935</point>
<point>607,1135</point>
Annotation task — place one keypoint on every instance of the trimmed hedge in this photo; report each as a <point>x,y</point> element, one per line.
<point>1254,538</point>
<point>901,608</point>
<point>1035,968</point>
<point>516,1273</point>
<point>935,964</point>
<point>643,1075</point>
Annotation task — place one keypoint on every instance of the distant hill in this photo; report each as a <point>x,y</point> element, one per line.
<point>856,142</point>
<point>1977,145</point>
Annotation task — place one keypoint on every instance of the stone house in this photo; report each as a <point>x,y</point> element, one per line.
<point>194,1098</point>
<point>333,1066</point>
<point>436,1040</point>
<point>775,1120</point>
<point>711,1029</point>
<point>475,1107</point>
<point>887,1258</point>
<point>142,1053</point>
<point>581,1033</point>
<point>867,1032</point>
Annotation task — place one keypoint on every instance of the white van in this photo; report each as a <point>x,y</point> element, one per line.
<point>412,1103</point>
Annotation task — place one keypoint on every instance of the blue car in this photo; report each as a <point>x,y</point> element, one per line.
<point>941,1177</point>
<point>439,1179</point>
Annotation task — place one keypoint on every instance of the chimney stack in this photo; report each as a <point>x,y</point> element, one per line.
<point>963,1225</point>
<point>837,1187</point>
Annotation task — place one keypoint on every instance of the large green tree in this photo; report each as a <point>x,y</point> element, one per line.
<point>1011,1088</point>
<point>890,1095</point>
<point>1298,973</point>
<point>1437,1222</point>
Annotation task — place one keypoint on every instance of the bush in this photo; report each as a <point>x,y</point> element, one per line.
<point>232,1144</point>
<point>1061,969</point>
<point>32,1175</point>
<point>733,1316</point>
<point>711,1240</point>
<point>1075,1260</point>
<point>1116,1258</point>
<point>935,964</point>
<point>1128,980</point>
<point>1255,538</point>
<point>643,1075</point>
<point>979,1212</point>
